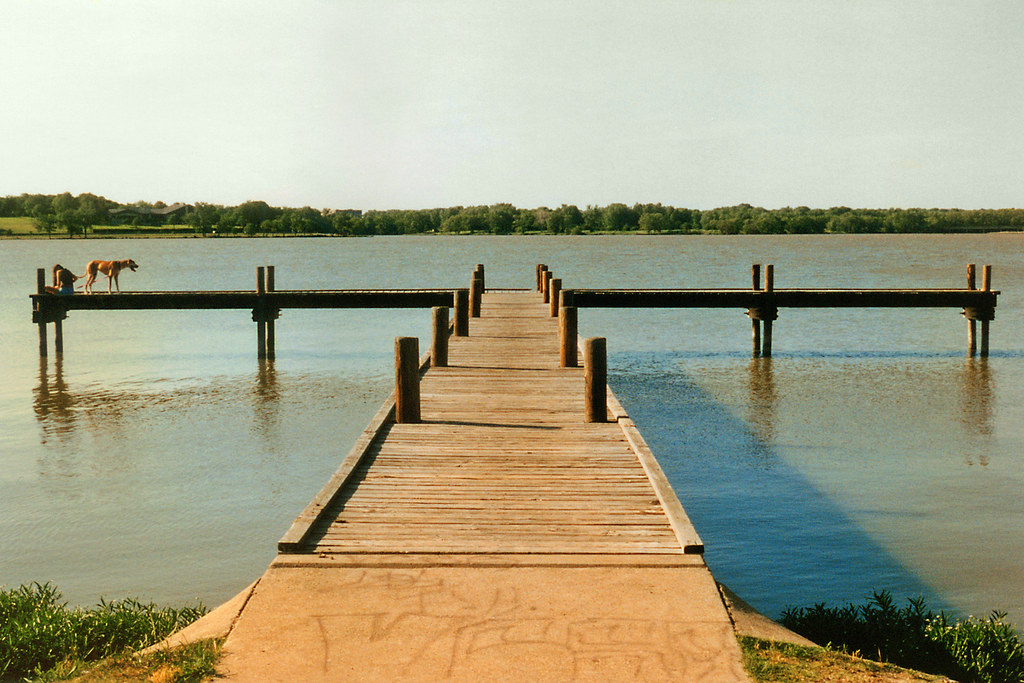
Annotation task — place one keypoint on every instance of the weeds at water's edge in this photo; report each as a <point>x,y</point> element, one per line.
<point>43,639</point>
<point>984,650</point>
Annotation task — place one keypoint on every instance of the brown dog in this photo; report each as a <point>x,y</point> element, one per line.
<point>109,268</point>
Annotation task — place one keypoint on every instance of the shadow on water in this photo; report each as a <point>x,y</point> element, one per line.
<point>771,534</point>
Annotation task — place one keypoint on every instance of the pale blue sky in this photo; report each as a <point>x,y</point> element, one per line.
<point>418,104</point>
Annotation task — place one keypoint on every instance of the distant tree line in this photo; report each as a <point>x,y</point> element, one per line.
<point>65,213</point>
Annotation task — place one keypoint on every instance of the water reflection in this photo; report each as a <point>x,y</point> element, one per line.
<point>977,398</point>
<point>266,400</point>
<point>763,398</point>
<point>52,403</point>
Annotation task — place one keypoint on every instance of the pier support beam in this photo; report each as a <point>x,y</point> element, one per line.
<point>764,314</point>
<point>975,315</point>
<point>595,373</point>
<point>41,289</point>
<point>476,292</point>
<point>271,334</point>
<point>264,315</point>
<point>407,380</point>
<point>439,337</point>
<point>568,334</point>
<point>461,306</point>
<point>556,288</point>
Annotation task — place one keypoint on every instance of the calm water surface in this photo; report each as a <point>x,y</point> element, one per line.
<point>159,459</point>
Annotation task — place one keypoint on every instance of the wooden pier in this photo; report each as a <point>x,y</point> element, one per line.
<point>498,534</point>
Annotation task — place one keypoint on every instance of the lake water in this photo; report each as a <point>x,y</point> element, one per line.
<point>159,459</point>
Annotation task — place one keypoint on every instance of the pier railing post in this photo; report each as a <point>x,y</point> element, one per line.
<point>407,380</point>
<point>540,276</point>
<point>595,373</point>
<point>483,281</point>
<point>439,337</point>
<point>476,291</point>
<point>41,289</point>
<point>568,335</point>
<point>461,306</point>
<point>556,287</point>
<point>547,286</point>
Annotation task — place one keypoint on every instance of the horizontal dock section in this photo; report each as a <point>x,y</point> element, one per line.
<point>780,298</point>
<point>348,298</point>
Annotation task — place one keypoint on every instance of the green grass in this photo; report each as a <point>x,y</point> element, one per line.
<point>985,650</point>
<point>770,662</point>
<point>21,225</point>
<point>40,636</point>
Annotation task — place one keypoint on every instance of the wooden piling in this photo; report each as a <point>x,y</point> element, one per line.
<point>595,373</point>
<point>261,325</point>
<point>986,285</point>
<point>540,276</point>
<point>461,301</point>
<point>568,336</point>
<point>547,286</point>
<point>972,323</point>
<point>476,291</point>
<point>407,380</point>
<point>41,289</point>
<point>768,317</point>
<point>483,281</point>
<point>271,336</point>
<point>755,273</point>
<point>439,337</point>
<point>556,287</point>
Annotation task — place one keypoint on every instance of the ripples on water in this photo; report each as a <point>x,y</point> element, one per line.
<point>158,458</point>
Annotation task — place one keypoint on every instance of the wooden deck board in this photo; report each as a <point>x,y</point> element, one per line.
<point>502,462</point>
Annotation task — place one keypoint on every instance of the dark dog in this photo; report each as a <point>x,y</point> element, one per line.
<point>109,268</point>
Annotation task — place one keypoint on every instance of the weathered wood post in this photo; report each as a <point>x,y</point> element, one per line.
<point>540,276</point>
<point>271,337</point>
<point>41,289</point>
<point>556,288</point>
<point>568,334</point>
<point>986,285</point>
<point>258,315</point>
<point>407,380</point>
<point>548,275</point>
<point>476,291</point>
<point>770,314</point>
<point>755,274</point>
<point>461,305</point>
<point>439,337</point>
<point>972,323</point>
<point>483,281</point>
<point>595,373</point>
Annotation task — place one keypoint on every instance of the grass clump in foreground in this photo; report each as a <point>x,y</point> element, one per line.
<point>983,650</point>
<point>766,661</point>
<point>43,639</point>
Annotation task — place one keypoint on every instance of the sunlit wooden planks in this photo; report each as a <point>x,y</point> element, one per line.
<point>502,461</point>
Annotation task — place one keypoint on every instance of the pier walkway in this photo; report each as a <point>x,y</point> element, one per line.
<point>501,538</point>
